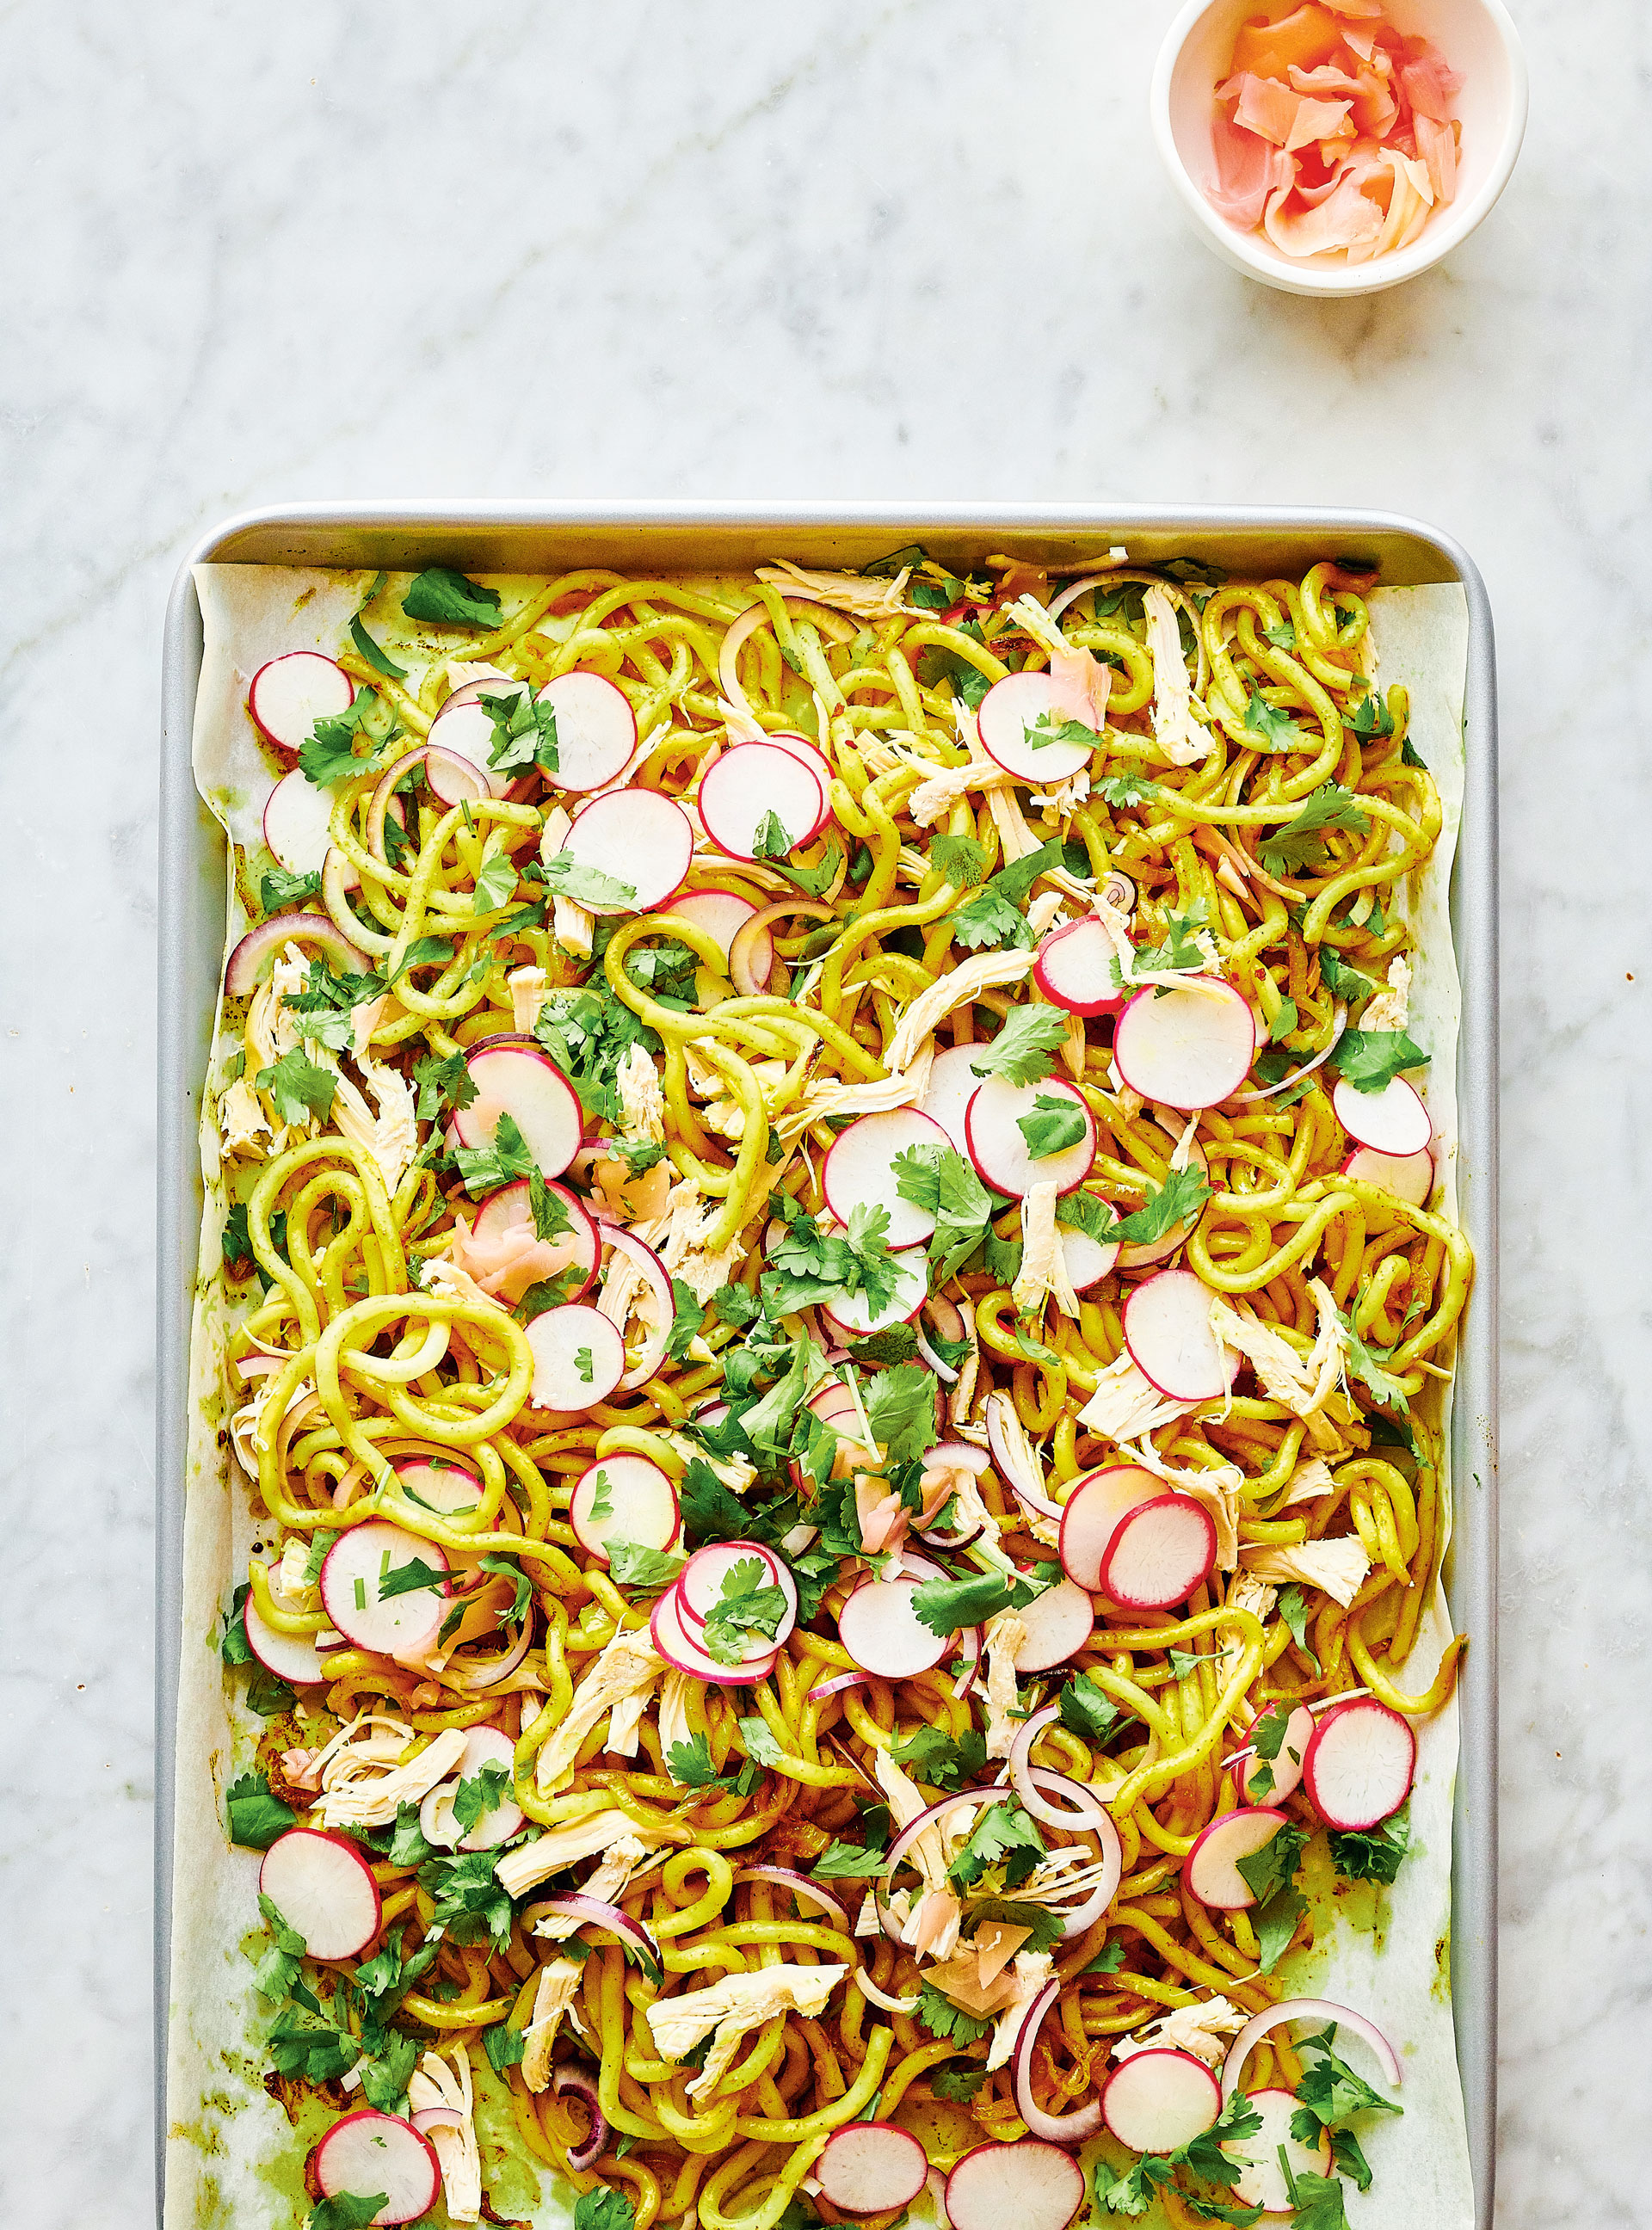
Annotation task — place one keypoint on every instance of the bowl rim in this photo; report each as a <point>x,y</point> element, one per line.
<point>1258,259</point>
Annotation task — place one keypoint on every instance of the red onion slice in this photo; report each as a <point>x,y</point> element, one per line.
<point>800,1885</point>
<point>591,1912</point>
<point>864,1983</point>
<point>486,1671</point>
<point>1022,1770</point>
<point>1295,2009</point>
<point>246,962</point>
<point>584,2085</point>
<point>1056,2128</point>
<point>837,1685</point>
<point>437,2117</point>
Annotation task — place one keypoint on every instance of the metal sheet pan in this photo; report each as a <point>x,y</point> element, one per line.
<point>486,536</point>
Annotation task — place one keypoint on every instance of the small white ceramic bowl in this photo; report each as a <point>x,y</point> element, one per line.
<point>1477,39</point>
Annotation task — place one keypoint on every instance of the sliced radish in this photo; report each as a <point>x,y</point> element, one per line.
<point>1393,1120</point>
<point>852,1314</point>
<point>1211,1867</point>
<point>580,1248</point>
<point>998,1145</point>
<point>740,790</point>
<point>1159,2099</point>
<point>1359,1764</point>
<point>447,1487</point>
<point>437,1822</point>
<point>292,1657</point>
<point>296,818</point>
<point>595,730</point>
<point>1408,1176</point>
<point>579,1357</point>
<point>1271,1780</point>
<point>884,1634</point>
<point>670,1638</point>
<point>1140,1255</point>
<point>519,1080</point>
<point>860,1171</point>
<point>1074,968</point>
<point>322,1887</point>
<point>358,1561</point>
<point>1167,1329</point>
<point>723,914</point>
<point>250,963</point>
<point>1160,1553</point>
<point>290,694</point>
<point>870,2167</point>
<point>1088,1260</point>
<point>1002,717</point>
<point>1262,2181</point>
<point>1092,1513</point>
<point>367,2152</point>
<point>1024,2184</point>
<point>1058,1624</point>
<point>1186,1049</point>
<point>801,748</point>
<point>637,1501</point>
<point>699,1584</point>
<point>641,840</point>
<point>953,1084</point>
<point>657,1318</point>
<point>464,733</point>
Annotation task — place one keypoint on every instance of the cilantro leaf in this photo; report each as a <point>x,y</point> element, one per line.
<point>931,1755</point>
<point>568,878</point>
<point>1015,882</point>
<point>1083,1211</point>
<point>1330,2091</point>
<point>469,1904</point>
<point>690,1762</point>
<point>297,1087</point>
<point>1054,1124</point>
<point>279,1968</point>
<point>1108,1960</point>
<point>747,1603</point>
<point>256,1818</point>
<point>848,1862</point>
<point>1002,1832</point>
<point>944,2019</point>
<point>1178,952</point>
<point>481,1792</point>
<point>603,2209</point>
<point>894,1343</point>
<point>485,1169</point>
<point>1278,730</point>
<point>686,1323</point>
<point>1342,981</point>
<point>327,755</point>
<point>760,1745</point>
<point>1270,1873</point>
<point>956,2084</point>
<point>347,2210</point>
<point>809,1265</point>
<point>1182,1193</point>
<point>495,885</point>
<point>1298,844</point>
<point>944,1605</point>
<point>1292,1608</point>
<point>233,1645</point>
<point>503,2046</point>
<point>277,889</point>
<point>423,952</point>
<point>445,598</point>
<point>1366,1362</point>
<point>525,731</point>
<point>1122,789</point>
<point>1023,1047</point>
<point>1043,732</point>
<point>408,1847</point>
<point>1371,720</point>
<point>711,1512</point>
<point>1087,1709</point>
<point>771,842</point>
<point>1275,1863</point>
<point>1373,1853</point>
<point>901,1409</point>
<point>1317,2200</point>
<point>408,1579</point>
<point>960,859</point>
<point>631,1565</point>
<point>1369,1060</point>
<point>811,881</point>
<point>378,658</point>
<point>1347,2157</point>
<point>986,918</point>
<point>1045,1927</point>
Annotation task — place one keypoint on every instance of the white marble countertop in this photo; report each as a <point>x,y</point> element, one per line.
<point>898,250</point>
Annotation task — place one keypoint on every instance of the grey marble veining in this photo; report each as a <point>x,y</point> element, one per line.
<point>899,250</point>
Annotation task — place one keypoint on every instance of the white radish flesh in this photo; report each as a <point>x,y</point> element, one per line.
<point>1262,2181</point>
<point>445,1486</point>
<point>1010,708</point>
<point>1168,1331</point>
<point>1088,1260</point>
<point>670,1637</point>
<point>643,841</point>
<point>438,1823</point>
<point>884,1634</point>
<point>1155,2100</point>
<point>1394,1120</point>
<point>853,1315</point>
<point>1159,1554</point>
<point>739,791</point>
<point>700,1586</point>
<point>524,1084</point>
<point>463,730</point>
<point>368,2152</point>
<point>357,1564</point>
<point>637,1502</point>
<point>1271,1780</point>
<point>578,1248</point>
<point>291,1657</point>
<point>1093,1512</point>
<point>322,1887</point>
<point>998,1145</point>
<point>1359,1764</point>
<point>595,730</point>
<point>860,1171</point>
<point>953,1084</point>
<point>296,815</point>
<point>1211,1867</point>
<point>1058,1623</point>
<point>1408,1176</point>
<point>800,747</point>
<point>723,914</point>
<point>1026,2184</point>
<point>579,1357</point>
<point>1074,969</point>
<point>290,694</point>
<point>870,2167</point>
<point>1187,1048</point>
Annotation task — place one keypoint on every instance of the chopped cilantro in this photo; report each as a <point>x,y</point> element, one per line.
<point>1298,846</point>
<point>443,597</point>
<point>1022,1049</point>
<point>1054,1124</point>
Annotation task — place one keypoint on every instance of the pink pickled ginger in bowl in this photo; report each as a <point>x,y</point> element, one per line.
<point>1271,143</point>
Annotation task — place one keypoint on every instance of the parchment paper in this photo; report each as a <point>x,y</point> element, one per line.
<point>234,2160</point>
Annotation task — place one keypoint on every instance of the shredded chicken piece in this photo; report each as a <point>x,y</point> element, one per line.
<point>571,926</point>
<point>355,1792</point>
<point>1124,1404</point>
<point>1303,1383</point>
<point>1032,1972</point>
<point>678,1238</point>
<point>942,787</point>
<point>1005,1633</point>
<point>449,1282</point>
<point>529,1864</point>
<point>242,1120</point>
<point>1218,1489</point>
<point>388,1132</point>
<point>554,1996</point>
<point>848,592</point>
<point>642,1101</point>
<point>1338,1567</point>
<point>969,1371</point>
<point>629,1665</point>
<point>1204,2030</point>
<point>979,1976</point>
<point>727,2010</point>
<point>1043,1262</point>
<point>982,971</point>
<point>871,1095</point>
<point>1182,737</point>
<point>1388,1010</point>
<point>435,2082</point>
<point>1311,1478</point>
<point>672,1718</point>
<point>622,1858</point>
<point>527,989</point>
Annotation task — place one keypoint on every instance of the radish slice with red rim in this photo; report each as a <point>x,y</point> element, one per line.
<point>484,1746</point>
<point>463,730</point>
<point>1087,1260</point>
<point>788,740</point>
<point>511,1208</point>
<point>883,1633</point>
<point>595,730</point>
<point>1408,1176</point>
<point>670,1638</point>
<point>1261,2181</point>
<point>1142,1254</point>
<point>359,1562</point>
<point>853,1315</point>
<point>868,2167</point>
<point>1188,1048</point>
<point>700,1582</point>
<point>642,840</point>
<point>290,694</point>
<point>1361,1764</point>
<point>1298,2009</point>
<point>658,1318</point>
<point>1171,1341</point>
<point>291,1657</point>
<point>998,1145</point>
<point>860,1171</point>
<point>367,2152</point>
<point>747,784</point>
<point>1394,1120</point>
<point>1053,2128</point>
<point>1074,969</point>
<point>1159,2099</point>
<point>722,914</point>
<point>1161,1551</point>
<point>1271,1780</point>
<point>1211,1867</point>
<point>322,1887</point>
<point>446,1487</point>
<point>579,1357</point>
<point>1022,2184</point>
<point>1059,1623</point>
<point>953,1084</point>
<point>1096,1504</point>
<point>624,1499</point>
<point>1019,703</point>
<point>297,817</point>
<point>519,1080</point>
<point>250,964</point>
